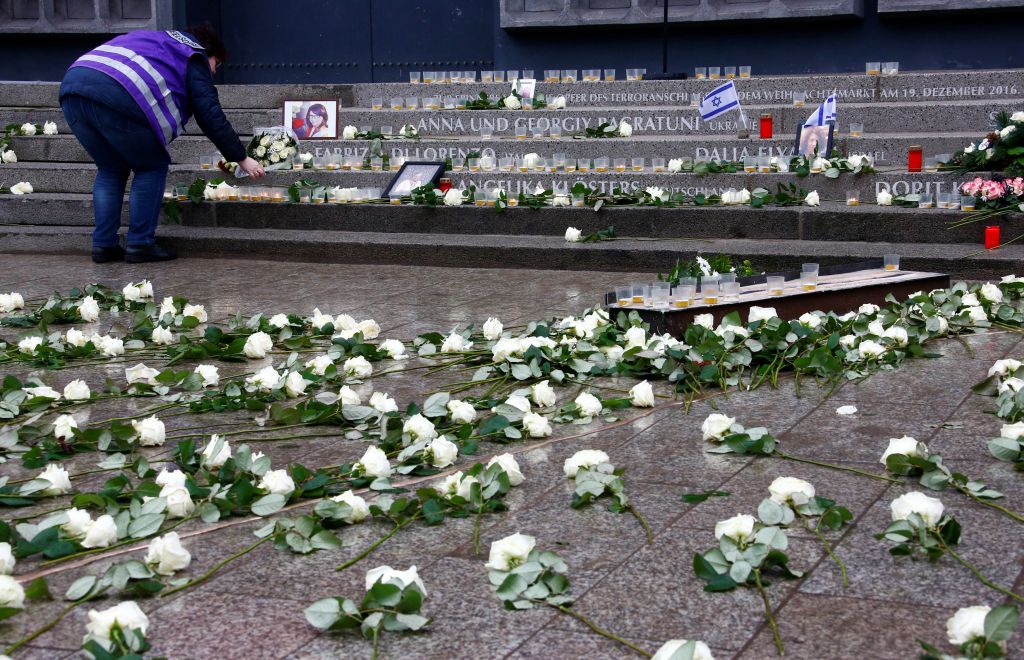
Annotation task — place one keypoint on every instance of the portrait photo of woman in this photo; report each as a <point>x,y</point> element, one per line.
<point>312,120</point>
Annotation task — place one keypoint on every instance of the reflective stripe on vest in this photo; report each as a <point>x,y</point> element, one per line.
<point>139,84</point>
<point>141,62</point>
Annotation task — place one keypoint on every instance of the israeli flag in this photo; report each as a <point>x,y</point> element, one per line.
<point>719,100</point>
<point>825,114</point>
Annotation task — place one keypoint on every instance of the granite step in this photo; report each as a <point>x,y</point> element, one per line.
<point>919,86</point>
<point>79,177</point>
<point>886,148</point>
<point>832,222</point>
<point>536,252</point>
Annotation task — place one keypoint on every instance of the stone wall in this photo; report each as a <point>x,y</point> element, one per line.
<point>83,16</point>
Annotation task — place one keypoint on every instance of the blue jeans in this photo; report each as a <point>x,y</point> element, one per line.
<point>120,144</point>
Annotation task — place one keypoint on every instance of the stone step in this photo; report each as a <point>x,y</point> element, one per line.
<point>895,117</point>
<point>886,148</point>
<point>78,178</point>
<point>920,86</point>
<point>832,222</point>
<point>536,252</point>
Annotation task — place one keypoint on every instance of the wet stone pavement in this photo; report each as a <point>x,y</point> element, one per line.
<point>647,593</point>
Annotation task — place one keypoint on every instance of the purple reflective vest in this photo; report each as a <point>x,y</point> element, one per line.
<point>152,67</point>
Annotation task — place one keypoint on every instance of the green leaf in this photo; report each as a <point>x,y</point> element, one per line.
<point>81,587</point>
<point>413,621</point>
<point>697,498</point>
<point>1004,449</point>
<point>8,612</point>
<point>269,504</point>
<point>1000,622</point>
<point>38,590</point>
<point>145,525</point>
<point>323,613</point>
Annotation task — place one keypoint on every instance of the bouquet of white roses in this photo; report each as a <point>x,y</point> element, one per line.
<point>272,147</point>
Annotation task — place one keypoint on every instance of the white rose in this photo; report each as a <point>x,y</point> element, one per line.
<point>319,364</point>
<point>461,412</point>
<point>636,336</point>
<point>530,160</point>
<point>868,308</point>
<point>812,321</point>
<point>1006,130</point>
<point>369,329</point>
<point>64,426</point>
<point>790,489</point>
<point>656,193</point>
<point>456,485</point>
<point>11,301</point>
<point>589,404</point>
<point>419,427</point>
<point>222,455</point>
<point>543,395</point>
<point>1017,116</point>
<point>321,320</point>
<point>1012,431</point>
<point>60,480</point>
<point>870,349</point>
<point>12,594</point>
<point>348,396</point>
<point>512,103</point>
<point>108,346</point>
<point>7,560</point>
<point>675,165</point>
<point>49,128</point>
<point>394,348</point>
<point>261,151</point>
<point>382,402</point>
<point>1004,367</point>
<point>897,334</point>
<point>991,292</point>
<point>443,452</point>
<point>140,373</point>
<point>209,373</point>
<point>151,431</point>
<point>510,466</point>
<point>505,348</point>
<point>510,552</point>
<point>162,336</point>
<point>277,482</point>
<point>345,322</point>
<point>929,508</point>
<point>943,325</point>
<point>266,379</point>
<point>75,338</point>
<point>179,501</point>
<point>584,458</point>
<point>127,615</point>
<point>761,314</point>
<point>641,395</point>
<point>165,554</point>
<point>561,200</point>
<point>374,463</point>
<point>705,320</point>
<point>669,649</point>
<point>175,478</point>
<point>295,385</point>
<point>572,235</point>
<point>455,343</point>
<point>812,199</point>
<point>43,392</point>
<point>89,309</point>
<point>977,313</point>
<point>278,321</point>
<point>492,329</point>
<point>519,402</point>
<point>907,446</point>
<point>559,102</point>
<point>613,353</point>
<point>30,344</point>
<point>28,129</point>
<point>349,133</point>
<point>198,312</point>
<point>738,528</point>
<point>357,367</point>
<point>717,426</point>
<point>77,523</point>
<point>100,533</point>
<point>257,345</point>
<point>883,198</point>
<point>360,510</point>
<point>536,425</point>
<point>967,624</point>
<point>625,129</point>
<point>8,156</point>
<point>387,574</point>
<point>306,157</point>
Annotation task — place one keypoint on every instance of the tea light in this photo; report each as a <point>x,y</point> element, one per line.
<point>578,200</point>
<point>551,75</point>
<point>744,72</point>
<point>638,294</point>
<point>583,164</point>
<point>658,164</point>
<point>799,99</point>
<point>206,162</point>
<point>966,203</point>
<point>730,72</point>
<point>890,68</point>
<point>891,261</point>
<point>750,165</point>
<point>620,164</point>
<point>714,72</point>
<point>414,77</point>
<point>852,197</point>
<point>926,202</point>
<point>609,75</point>
<point>569,75</point>
<point>872,68</point>
<point>776,285</point>
<point>700,73</point>
<point>623,295</point>
<point>709,291</point>
<point>638,164</point>
<point>856,130</point>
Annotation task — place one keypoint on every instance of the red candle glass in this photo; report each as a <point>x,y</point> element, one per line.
<point>445,184</point>
<point>766,127</point>
<point>991,237</point>
<point>915,159</point>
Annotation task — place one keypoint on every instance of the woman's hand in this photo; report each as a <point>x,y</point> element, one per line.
<point>252,168</point>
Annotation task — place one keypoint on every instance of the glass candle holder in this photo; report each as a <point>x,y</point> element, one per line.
<point>512,75</point>
<point>412,102</point>
<point>397,104</point>
<point>569,75</point>
<point>376,104</point>
<point>528,73</point>
<point>458,164</point>
<point>660,292</point>
<point>538,133</point>
<point>558,161</point>
<point>926,201</point>
<point>555,132</point>
<point>637,298</point>
<point>695,100</point>
<point>744,72</point>
<point>620,164</point>
<point>570,165</point>
<point>776,285</point>
<point>700,72</point>
<point>873,68</point>
<point>395,199</point>
<point>623,295</point>
<point>809,281</point>
<point>498,76</point>
<point>521,133</point>
<point>591,75</point>
<point>709,291</point>
<point>552,75</point>
<point>486,76</point>
<point>601,164</point>
<point>414,77</point>
<point>730,72</point>
<point>852,197</point>
<point>387,130</point>
<point>487,163</point>
<point>730,291</point>
<point>540,165</point>
<point>583,164</point>
<point>891,262</point>
<point>579,200</point>
<point>454,76</point>
<point>397,162</point>
<point>474,164</point>
<point>764,164</point>
<point>714,72</point>
<point>856,130</point>
<point>967,203</point>
<point>915,159</point>
<point>931,164</point>
<point>637,164</point>
<point>428,76</point>
<point>799,99</point>
<point>297,163</point>
<point>486,132</point>
<point>658,164</point>
<point>205,162</point>
<point>682,295</point>
<point>890,68</point>
<point>506,164</point>
<point>750,164</point>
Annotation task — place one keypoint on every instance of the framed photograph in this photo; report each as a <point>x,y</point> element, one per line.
<point>814,139</point>
<point>525,87</point>
<point>413,175</point>
<point>312,120</point>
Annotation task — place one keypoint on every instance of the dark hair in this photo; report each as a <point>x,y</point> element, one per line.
<point>206,35</point>
<point>319,110</point>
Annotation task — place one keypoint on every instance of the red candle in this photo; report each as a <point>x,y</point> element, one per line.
<point>991,237</point>
<point>766,127</point>
<point>445,184</point>
<point>914,159</point>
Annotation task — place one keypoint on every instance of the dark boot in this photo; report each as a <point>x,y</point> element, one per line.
<point>137,254</point>
<point>102,255</point>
